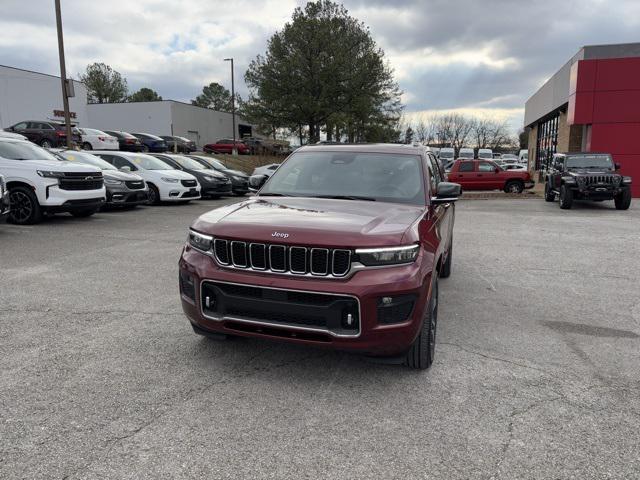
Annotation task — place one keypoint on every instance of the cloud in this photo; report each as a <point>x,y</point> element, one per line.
<point>464,55</point>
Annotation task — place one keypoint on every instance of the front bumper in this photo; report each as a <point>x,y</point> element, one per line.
<point>240,186</point>
<point>176,193</point>
<point>125,196</point>
<point>366,287</point>
<point>52,196</point>
<point>218,188</point>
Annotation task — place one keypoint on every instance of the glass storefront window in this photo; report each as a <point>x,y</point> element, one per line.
<point>547,141</point>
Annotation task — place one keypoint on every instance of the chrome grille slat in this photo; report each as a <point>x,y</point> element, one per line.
<point>239,254</point>
<point>317,254</point>
<point>293,262</point>
<point>294,259</point>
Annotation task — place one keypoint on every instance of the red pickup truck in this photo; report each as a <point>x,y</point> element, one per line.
<point>487,175</point>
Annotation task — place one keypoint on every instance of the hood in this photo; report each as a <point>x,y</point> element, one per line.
<point>59,166</point>
<point>118,175</point>
<point>236,173</point>
<point>312,221</point>
<point>590,171</point>
<point>179,174</point>
<point>210,173</point>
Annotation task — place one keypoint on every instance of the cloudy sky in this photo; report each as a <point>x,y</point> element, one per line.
<point>478,56</point>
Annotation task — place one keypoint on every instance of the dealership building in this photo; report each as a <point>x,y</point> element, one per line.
<point>592,104</point>
<point>26,95</point>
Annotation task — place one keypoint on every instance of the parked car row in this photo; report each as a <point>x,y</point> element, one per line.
<point>52,134</point>
<point>37,181</point>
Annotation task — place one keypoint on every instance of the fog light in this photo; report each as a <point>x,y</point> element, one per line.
<point>387,300</point>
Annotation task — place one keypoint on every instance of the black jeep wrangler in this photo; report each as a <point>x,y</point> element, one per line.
<point>586,176</point>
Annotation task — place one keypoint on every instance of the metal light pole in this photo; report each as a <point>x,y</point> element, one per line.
<point>233,107</point>
<point>63,75</point>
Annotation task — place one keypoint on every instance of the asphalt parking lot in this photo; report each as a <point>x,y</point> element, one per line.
<point>536,372</point>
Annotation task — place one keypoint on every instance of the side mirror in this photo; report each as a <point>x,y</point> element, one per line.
<point>447,192</point>
<point>616,166</point>
<point>257,181</point>
<point>125,168</point>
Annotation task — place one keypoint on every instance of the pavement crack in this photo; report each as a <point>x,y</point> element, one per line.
<point>498,359</point>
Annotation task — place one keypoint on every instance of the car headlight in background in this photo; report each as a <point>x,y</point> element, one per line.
<point>50,174</point>
<point>209,178</point>
<point>388,256</point>
<point>199,241</point>
<point>239,179</point>
<point>170,180</point>
<point>111,181</point>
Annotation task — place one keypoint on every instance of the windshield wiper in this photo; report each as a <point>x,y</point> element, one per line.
<point>345,197</point>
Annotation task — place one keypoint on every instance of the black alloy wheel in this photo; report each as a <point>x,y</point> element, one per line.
<point>25,209</point>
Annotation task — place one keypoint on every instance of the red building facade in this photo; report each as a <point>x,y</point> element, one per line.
<point>592,104</point>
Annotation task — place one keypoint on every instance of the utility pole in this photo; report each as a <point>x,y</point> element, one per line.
<point>63,75</point>
<point>233,107</point>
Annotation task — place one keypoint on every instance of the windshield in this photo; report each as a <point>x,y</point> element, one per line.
<point>589,161</point>
<point>485,155</point>
<point>446,154</point>
<point>216,164</point>
<point>465,154</point>
<point>86,158</point>
<point>188,163</point>
<point>370,176</point>
<point>24,151</point>
<point>147,162</point>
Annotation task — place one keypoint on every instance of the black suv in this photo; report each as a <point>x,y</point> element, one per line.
<point>586,176</point>
<point>47,134</point>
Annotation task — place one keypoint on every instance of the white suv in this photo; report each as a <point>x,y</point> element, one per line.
<point>166,184</point>
<point>39,183</point>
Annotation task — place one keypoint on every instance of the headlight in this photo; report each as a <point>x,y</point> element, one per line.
<point>569,179</point>
<point>626,180</point>
<point>210,179</point>
<point>170,180</point>
<point>199,241</point>
<point>388,256</point>
<point>616,180</point>
<point>50,174</point>
<point>239,179</point>
<point>111,181</point>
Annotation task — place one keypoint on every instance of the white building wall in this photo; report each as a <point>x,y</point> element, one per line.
<point>26,95</point>
<point>166,117</point>
<point>144,117</point>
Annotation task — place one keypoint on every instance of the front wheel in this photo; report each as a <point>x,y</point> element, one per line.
<point>154,195</point>
<point>549,194</point>
<point>514,187</point>
<point>145,149</point>
<point>46,143</point>
<point>623,200</point>
<point>566,197</point>
<point>87,146</point>
<point>25,209</point>
<point>422,352</point>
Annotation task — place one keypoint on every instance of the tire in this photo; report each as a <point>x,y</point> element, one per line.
<point>25,209</point>
<point>421,353</point>
<point>87,146</point>
<point>549,195</point>
<point>84,212</point>
<point>46,143</point>
<point>566,197</point>
<point>239,194</point>
<point>623,200</point>
<point>145,149</point>
<point>446,267</point>
<point>154,195</point>
<point>514,187</point>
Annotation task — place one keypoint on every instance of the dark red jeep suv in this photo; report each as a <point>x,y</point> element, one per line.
<point>342,247</point>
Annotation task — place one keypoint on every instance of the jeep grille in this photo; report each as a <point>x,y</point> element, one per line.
<point>297,260</point>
